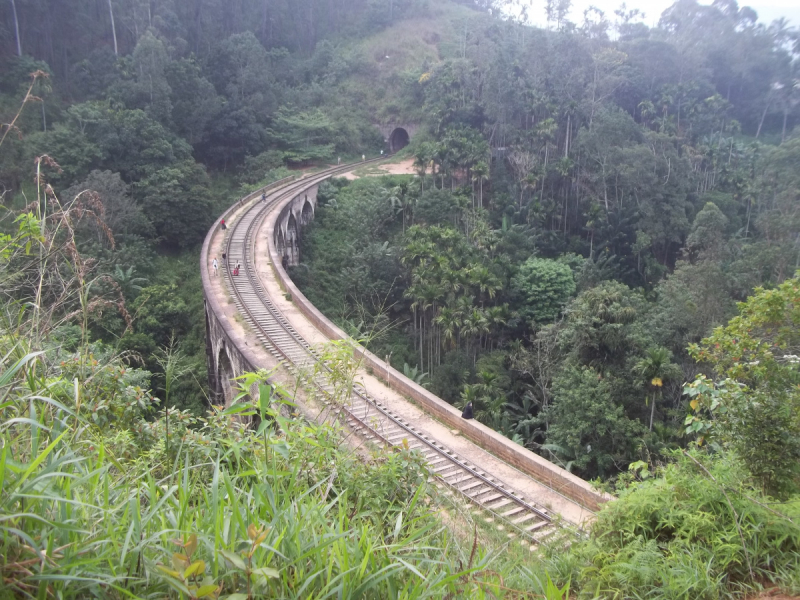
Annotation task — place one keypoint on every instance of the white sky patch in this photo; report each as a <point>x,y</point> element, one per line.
<point>768,10</point>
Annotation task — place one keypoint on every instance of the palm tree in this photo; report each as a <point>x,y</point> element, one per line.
<point>422,158</point>
<point>483,279</point>
<point>450,322</point>
<point>396,197</point>
<point>656,368</point>
<point>475,326</point>
<point>490,399</point>
<point>480,173</point>
<point>496,318</point>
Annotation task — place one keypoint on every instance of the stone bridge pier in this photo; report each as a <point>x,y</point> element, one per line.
<point>224,360</point>
<point>292,219</point>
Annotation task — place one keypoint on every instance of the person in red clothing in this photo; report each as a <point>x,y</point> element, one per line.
<point>222,225</point>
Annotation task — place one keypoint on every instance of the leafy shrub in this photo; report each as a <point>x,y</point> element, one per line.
<point>88,510</point>
<point>700,531</point>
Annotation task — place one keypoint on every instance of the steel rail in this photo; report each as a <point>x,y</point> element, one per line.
<point>251,303</point>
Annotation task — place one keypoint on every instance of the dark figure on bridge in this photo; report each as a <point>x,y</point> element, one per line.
<point>222,225</point>
<point>467,414</point>
<point>263,196</point>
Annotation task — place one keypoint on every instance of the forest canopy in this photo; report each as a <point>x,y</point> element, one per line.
<point>596,244</point>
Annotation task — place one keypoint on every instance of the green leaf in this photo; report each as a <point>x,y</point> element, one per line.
<point>8,375</point>
<point>264,397</point>
<point>239,408</point>
<point>169,572</point>
<point>198,567</point>
<point>266,573</point>
<point>39,459</point>
<point>234,559</point>
<point>206,590</point>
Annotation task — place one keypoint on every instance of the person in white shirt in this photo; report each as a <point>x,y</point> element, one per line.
<point>215,265</point>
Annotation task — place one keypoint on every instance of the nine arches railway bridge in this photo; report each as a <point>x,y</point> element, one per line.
<point>258,319</point>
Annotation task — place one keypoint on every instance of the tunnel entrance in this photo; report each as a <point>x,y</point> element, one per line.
<point>398,140</point>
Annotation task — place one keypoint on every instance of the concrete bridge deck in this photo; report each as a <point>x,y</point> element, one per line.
<point>234,348</point>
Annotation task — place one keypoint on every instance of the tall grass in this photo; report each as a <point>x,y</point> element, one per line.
<point>701,530</point>
<point>284,511</point>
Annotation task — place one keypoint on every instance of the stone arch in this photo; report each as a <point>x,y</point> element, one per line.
<point>292,241</point>
<point>280,242</point>
<point>398,139</point>
<point>225,377</point>
<point>307,214</point>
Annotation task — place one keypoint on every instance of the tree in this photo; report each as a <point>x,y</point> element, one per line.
<point>691,301</point>
<point>480,173</point>
<point>708,232</point>
<point>150,89</point>
<point>655,368</point>
<point>171,193</point>
<point>113,26</point>
<point>16,27</point>
<point>584,419</point>
<point>120,212</point>
<point>195,102</point>
<point>754,406</point>
<point>543,287</point>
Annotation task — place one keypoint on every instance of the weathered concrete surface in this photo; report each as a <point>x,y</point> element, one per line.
<point>233,349</point>
<point>567,494</point>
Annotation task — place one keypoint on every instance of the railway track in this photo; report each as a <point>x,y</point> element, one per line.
<point>365,415</point>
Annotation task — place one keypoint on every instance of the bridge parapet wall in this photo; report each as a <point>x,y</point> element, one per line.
<point>227,355</point>
<point>553,476</point>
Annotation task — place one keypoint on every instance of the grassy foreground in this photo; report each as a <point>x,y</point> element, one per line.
<point>104,494</point>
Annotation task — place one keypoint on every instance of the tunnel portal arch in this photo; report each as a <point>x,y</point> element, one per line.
<point>398,139</point>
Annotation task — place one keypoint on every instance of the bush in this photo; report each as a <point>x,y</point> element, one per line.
<point>201,507</point>
<point>698,531</point>
<point>543,287</point>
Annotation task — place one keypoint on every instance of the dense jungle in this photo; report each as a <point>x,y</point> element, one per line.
<point>597,245</point>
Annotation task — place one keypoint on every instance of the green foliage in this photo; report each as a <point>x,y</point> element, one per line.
<point>301,513</point>
<point>604,326</point>
<point>754,408</point>
<point>692,532</point>
<point>544,287</point>
<point>708,231</point>
<point>169,194</point>
<point>585,420</point>
<point>655,368</point>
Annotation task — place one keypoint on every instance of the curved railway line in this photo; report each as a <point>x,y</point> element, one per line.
<point>365,415</point>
